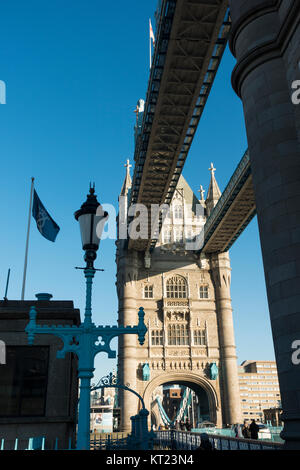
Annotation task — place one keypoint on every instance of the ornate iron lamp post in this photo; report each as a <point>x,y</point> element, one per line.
<point>87,339</point>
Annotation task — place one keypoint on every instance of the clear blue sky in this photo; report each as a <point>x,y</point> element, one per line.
<point>74,71</point>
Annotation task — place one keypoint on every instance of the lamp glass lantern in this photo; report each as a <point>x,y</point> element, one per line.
<point>91,218</point>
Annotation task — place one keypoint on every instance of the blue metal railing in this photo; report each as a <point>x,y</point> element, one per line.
<point>181,440</point>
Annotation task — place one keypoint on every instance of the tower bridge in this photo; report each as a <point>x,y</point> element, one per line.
<point>186,294</point>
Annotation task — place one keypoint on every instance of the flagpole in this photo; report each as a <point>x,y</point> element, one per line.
<point>27,240</point>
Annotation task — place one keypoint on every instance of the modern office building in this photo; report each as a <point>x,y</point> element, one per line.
<point>259,388</point>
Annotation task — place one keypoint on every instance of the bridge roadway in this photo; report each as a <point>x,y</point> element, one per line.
<point>190,41</point>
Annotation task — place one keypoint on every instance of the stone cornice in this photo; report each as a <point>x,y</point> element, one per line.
<point>266,52</point>
<point>252,13</point>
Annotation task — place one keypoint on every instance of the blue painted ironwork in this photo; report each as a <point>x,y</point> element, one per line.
<point>86,341</point>
<point>214,371</point>
<point>140,438</point>
<point>181,440</point>
<point>111,381</point>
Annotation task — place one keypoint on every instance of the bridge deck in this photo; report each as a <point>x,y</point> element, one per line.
<point>190,42</point>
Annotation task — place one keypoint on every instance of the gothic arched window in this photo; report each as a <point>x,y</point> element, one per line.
<point>176,288</point>
<point>178,335</point>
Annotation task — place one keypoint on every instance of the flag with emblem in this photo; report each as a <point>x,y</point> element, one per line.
<point>44,222</point>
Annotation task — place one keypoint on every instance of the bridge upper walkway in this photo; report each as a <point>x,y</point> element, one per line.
<point>233,212</point>
<point>190,41</point>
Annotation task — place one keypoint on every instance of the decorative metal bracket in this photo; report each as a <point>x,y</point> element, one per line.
<point>75,337</point>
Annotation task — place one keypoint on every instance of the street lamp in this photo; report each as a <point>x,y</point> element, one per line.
<point>91,218</point>
<point>87,340</point>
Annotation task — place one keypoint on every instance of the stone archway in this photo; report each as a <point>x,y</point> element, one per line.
<point>191,380</point>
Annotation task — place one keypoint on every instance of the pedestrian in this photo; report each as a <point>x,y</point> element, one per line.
<point>238,430</point>
<point>182,427</point>
<point>254,429</point>
<point>205,443</point>
<point>246,431</point>
<point>188,426</point>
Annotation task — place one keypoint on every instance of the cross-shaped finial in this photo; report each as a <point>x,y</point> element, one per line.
<point>127,165</point>
<point>212,169</point>
<point>201,191</point>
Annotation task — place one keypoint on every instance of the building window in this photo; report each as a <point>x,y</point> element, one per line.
<point>23,383</point>
<point>167,236</point>
<point>203,292</point>
<point>176,288</point>
<point>178,335</point>
<point>200,337</point>
<point>148,292</point>
<point>178,212</point>
<point>157,337</point>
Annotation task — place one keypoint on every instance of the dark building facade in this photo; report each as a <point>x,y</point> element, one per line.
<point>38,392</point>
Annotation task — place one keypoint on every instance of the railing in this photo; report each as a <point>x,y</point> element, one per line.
<point>109,441</point>
<point>34,443</point>
<point>241,170</point>
<point>181,440</point>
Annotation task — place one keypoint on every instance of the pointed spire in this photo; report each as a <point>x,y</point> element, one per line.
<point>214,193</point>
<point>127,181</point>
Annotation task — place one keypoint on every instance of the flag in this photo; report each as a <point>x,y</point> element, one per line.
<point>44,222</point>
<point>151,33</point>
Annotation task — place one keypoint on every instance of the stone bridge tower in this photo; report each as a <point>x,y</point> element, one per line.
<point>188,313</point>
